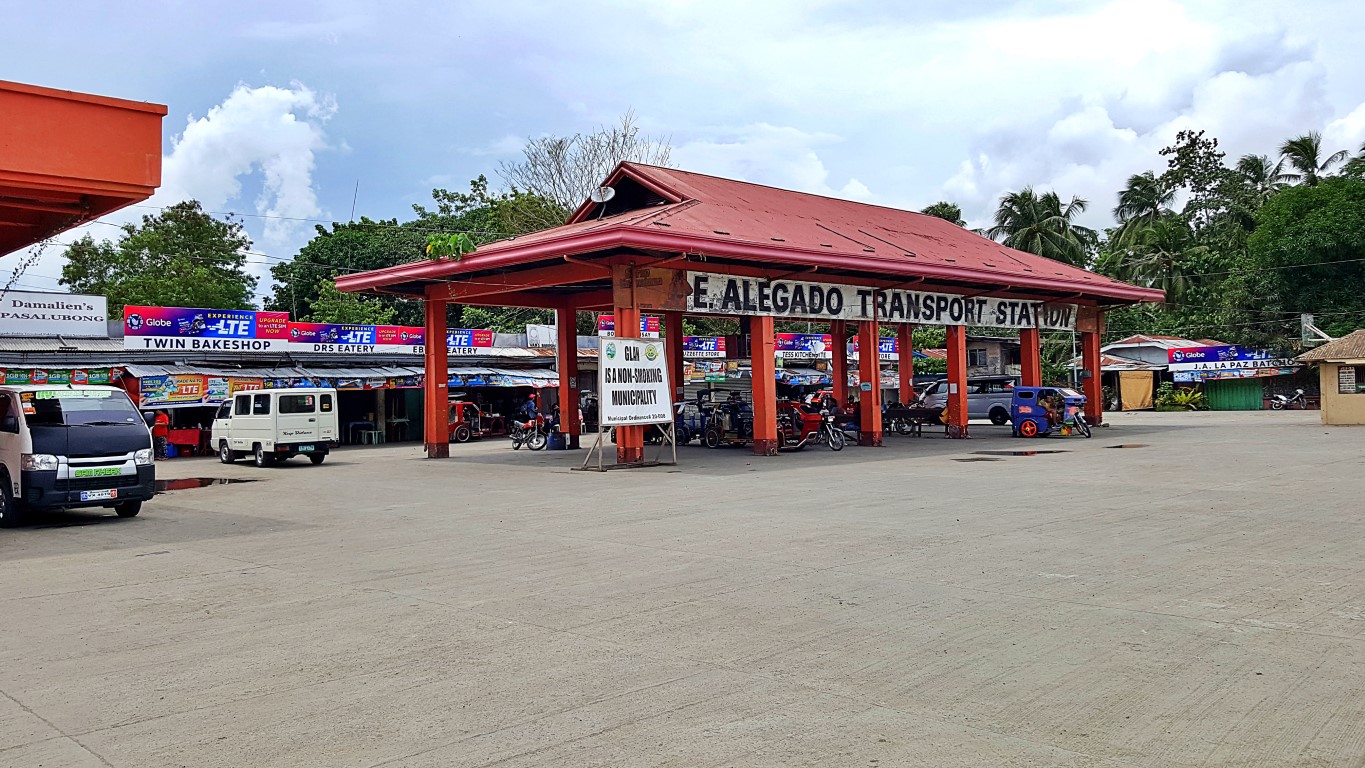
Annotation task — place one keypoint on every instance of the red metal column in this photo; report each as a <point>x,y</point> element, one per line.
<point>566,322</point>
<point>764,370</point>
<point>673,342</point>
<point>869,400</point>
<point>1092,384</point>
<point>957,381</point>
<point>838,371</point>
<point>1030,358</point>
<point>630,441</point>
<point>905,341</point>
<point>436,383</point>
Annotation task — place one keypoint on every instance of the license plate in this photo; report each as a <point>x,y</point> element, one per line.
<point>111,493</point>
<point>98,472</point>
<point>305,449</point>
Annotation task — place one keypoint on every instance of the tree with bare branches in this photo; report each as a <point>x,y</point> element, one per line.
<point>565,169</point>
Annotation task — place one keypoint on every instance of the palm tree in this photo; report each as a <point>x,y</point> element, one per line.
<point>1356,165</point>
<point>1160,257</point>
<point>1040,224</point>
<point>1305,157</point>
<point>1261,178</point>
<point>1143,201</point>
<point>946,211</point>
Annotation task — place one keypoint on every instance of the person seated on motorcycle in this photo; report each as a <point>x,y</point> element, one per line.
<point>529,411</point>
<point>1055,405</point>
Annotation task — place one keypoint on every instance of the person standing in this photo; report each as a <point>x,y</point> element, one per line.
<point>161,432</point>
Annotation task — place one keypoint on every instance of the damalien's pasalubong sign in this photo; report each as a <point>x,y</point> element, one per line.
<point>735,295</point>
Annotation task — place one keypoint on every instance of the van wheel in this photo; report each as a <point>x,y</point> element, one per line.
<point>263,459</point>
<point>461,434</point>
<point>10,516</point>
<point>226,454</point>
<point>1000,417</point>
<point>128,508</point>
<point>317,458</point>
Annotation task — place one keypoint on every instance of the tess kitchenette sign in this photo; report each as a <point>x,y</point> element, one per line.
<point>730,295</point>
<point>24,313</point>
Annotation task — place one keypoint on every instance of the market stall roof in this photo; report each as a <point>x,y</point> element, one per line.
<point>704,222</point>
<point>1350,347</point>
<point>68,158</point>
<point>1116,363</point>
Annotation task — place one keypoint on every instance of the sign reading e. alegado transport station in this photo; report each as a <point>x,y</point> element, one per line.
<point>717,294</point>
<point>633,383</point>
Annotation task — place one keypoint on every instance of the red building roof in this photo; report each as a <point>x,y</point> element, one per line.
<point>671,211</point>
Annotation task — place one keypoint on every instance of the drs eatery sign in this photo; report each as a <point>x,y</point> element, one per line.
<point>731,295</point>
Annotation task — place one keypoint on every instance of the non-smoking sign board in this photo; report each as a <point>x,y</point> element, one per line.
<point>633,382</point>
<point>733,295</point>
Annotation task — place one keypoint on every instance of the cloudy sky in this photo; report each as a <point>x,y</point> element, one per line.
<point>278,110</point>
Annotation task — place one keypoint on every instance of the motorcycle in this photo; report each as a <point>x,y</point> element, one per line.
<point>797,427</point>
<point>1280,402</point>
<point>532,433</point>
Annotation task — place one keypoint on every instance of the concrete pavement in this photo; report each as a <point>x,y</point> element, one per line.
<point>1199,601</point>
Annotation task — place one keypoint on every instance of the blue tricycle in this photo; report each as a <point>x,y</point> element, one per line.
<point>1041,411</point>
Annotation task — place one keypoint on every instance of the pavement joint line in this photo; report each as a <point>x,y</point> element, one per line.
<point>53,726</point>
<point>1101,606</point>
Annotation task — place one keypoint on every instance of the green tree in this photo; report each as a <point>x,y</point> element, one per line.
<point>333,306</point>
<point>1356,165</point>
<point>1142,202</point>
<point>180,257</point>
<point>1040,224</point>
<point>945,210</point>
<point>1195,164</point>
<point>1323,227</point>
<point>1160,255</point>
<point>342,249</point>
<point>1304,155</point>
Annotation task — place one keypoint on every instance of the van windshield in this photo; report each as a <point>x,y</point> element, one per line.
<point>74,407</point>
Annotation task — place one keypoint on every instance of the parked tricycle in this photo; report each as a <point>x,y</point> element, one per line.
<point>466,422</point>
<point>1042,411</point>
<point>728,422</point>
<point>798,425</point>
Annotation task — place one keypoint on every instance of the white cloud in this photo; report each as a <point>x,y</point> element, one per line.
<point>779,156</point>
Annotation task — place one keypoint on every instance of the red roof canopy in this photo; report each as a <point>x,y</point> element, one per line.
<point>714,224</point>
<point>67,158</point>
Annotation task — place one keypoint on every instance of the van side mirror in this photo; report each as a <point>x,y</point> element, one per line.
<point>150,418</point>
<point>10,424</point>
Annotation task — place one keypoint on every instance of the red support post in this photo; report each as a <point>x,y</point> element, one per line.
<point>1030,358</point>
<point>673,342</point>
<point>436,382</point>
<point>869,370</point>
<point>838,372</point>
<point>1092,383</point>
<point>764,370</point>
<point>957,381</point>
<point>566,328</point>
<point>905,343</point>
<point>630,441</point>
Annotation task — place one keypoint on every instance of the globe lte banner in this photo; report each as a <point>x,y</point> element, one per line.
<point>210,330</point>
<point>716,294</point>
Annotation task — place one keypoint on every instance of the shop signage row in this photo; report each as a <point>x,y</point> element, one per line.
<point>718,294</point>
<point>234,330</point>
<point>703,347</point>
<point>60,375</point>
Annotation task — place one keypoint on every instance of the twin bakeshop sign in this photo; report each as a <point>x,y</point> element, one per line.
<point>204,330</point>
<point>53,314</point>
<point>633,384</point>
<point>715,294</point>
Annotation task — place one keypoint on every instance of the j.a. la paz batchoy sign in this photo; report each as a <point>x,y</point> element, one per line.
<point>734,295</point>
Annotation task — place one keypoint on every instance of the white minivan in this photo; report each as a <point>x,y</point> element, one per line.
<point>276,424</point>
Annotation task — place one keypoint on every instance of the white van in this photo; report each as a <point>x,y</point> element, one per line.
<point>72,446</point>
<point>988,397</point>
<point>276,424</point>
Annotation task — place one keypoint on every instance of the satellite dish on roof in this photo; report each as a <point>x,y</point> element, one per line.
<point>602,194</point>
